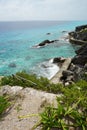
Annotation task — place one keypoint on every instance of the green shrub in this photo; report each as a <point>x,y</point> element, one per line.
<point>4,104</point>
<point>63,118</point>
<point>71,110</point>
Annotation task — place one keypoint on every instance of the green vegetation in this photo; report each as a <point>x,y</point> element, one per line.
<point>4,104</point>
<point>83,30</point>
<point>71,111</point>
<point>25,80</point>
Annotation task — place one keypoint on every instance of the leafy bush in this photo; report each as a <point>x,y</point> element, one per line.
<point>4,104</point>
<point>62,118</point>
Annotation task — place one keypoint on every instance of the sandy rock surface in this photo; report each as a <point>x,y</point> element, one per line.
<point>29,102</point>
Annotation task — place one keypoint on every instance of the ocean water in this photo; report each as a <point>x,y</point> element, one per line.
<point>18,38</point>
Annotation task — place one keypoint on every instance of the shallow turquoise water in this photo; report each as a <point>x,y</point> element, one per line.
<point>16,41</point>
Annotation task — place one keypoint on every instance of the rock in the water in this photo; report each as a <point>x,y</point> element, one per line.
<point>12,65</point>
<point>48,34</point>
<point>64,31</point>
<point>58,60</point>
<point>27,58</point>
<point>44,43</point>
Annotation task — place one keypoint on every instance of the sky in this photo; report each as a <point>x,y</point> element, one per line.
<point>17,10</point>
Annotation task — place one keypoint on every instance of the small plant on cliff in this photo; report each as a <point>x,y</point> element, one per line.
<point>4,104</point>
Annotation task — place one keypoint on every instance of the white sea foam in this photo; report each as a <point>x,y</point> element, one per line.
<point>46,69</point>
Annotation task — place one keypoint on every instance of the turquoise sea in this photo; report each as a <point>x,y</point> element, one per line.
<point>18,38</point>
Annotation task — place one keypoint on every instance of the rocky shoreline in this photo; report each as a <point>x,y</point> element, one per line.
<point>77,68</point>
<point>71,69</point>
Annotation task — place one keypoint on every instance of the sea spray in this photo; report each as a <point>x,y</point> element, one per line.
<point>46,69</point>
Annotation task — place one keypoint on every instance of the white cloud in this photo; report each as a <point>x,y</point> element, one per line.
<point>42,10</point>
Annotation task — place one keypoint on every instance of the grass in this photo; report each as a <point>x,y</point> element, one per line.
<point>4,104</point>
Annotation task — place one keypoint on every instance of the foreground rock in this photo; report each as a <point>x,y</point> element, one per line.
<point>28,102</point>
<point>8,90</point>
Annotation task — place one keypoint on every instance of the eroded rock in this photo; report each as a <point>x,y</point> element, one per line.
<point>8,90</point>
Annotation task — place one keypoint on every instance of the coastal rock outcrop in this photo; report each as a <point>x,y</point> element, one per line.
<point>79,36</point>
<point>45,42</point>
<point>79,28</point>
<point>81,57</point>
<point>59,60</point>
<point>77,69</point>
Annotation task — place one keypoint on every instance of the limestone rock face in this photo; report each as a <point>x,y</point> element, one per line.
<point>8,90</point>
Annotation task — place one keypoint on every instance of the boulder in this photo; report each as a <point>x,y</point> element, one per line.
<point>8,90</point>
<point>81,57</point>
<point>82,50</point>
<point>67,73</point>
<point>58,60</point>
<point>80,60</point>
<point>44,43</point>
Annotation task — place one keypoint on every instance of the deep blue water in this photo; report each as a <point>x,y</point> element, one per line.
<point>17,39</point>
